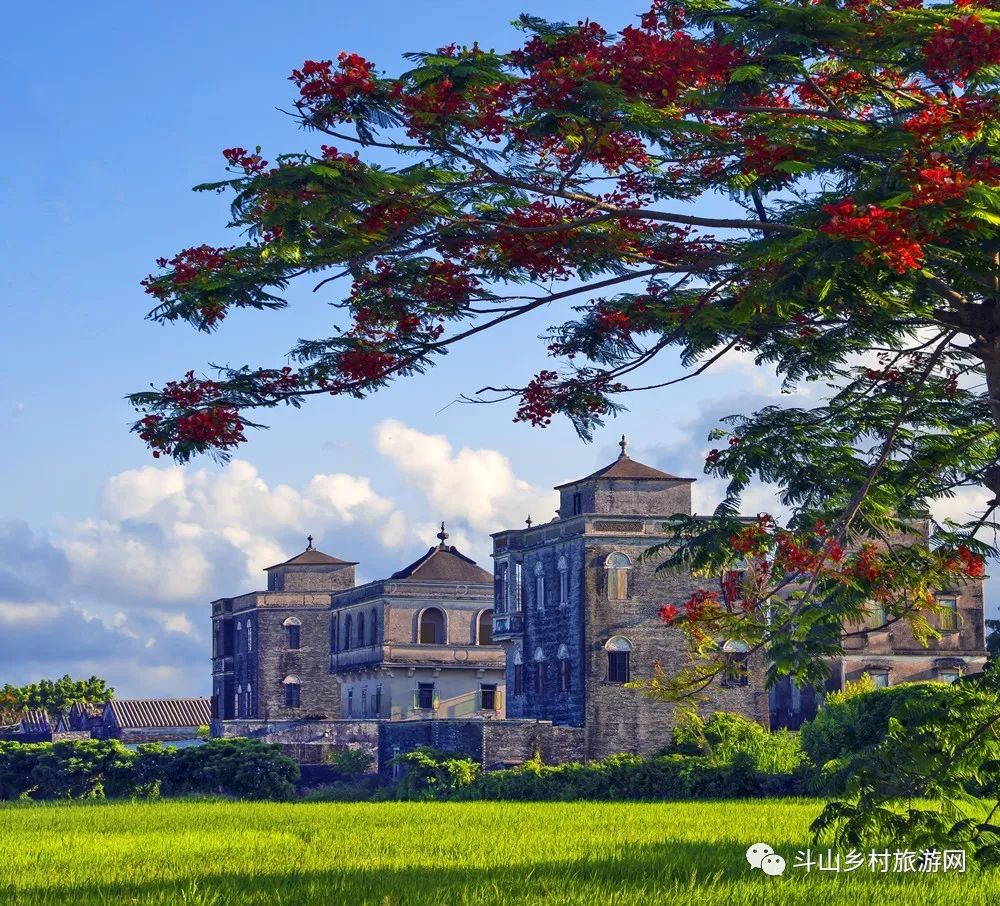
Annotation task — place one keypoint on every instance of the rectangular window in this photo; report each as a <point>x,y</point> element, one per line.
<point>876,616</point>
<point>880,678</point>
<point>502,591</point>
<point>488,696</point>
<point>563,587</point>
<point>377,707</point>
<point>292,695</point>
<point>540,590</point>
<point>294,636</point>
<point>364,702</point>
<point>518,580</point>
<point>425,696</point>
<point>350,703</point>
<point>618,667</point>
<point>540,676</point>
<point>249,638</point>
<point>397,768</point>
<point>519,679</point>
<point>577,504</point>
<point>564,674</point>
<point>735,673</point>
<point>949,617</point>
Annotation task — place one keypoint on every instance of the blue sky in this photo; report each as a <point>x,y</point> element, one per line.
<point>109,559</point>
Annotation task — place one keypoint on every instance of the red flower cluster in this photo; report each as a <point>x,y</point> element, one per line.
<point>668,613</point>
<point>219,427</point>
<point>609,323</point>
<point>962,116</point>
<point>886,231</point>
<point>276,383</point>
<point>331,153</point>
<point>249,163</point>
<point>362,365</point>
<point>960,48</point>
<point>190,391</point>
<point>189,264</point>
<point>762,156</point>
<point>326,92</point>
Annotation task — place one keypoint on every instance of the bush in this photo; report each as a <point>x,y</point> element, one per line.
<point>853,722</point>
<point>630,777</point>
<point>724,736</point>
<point>433,774</point>
<point>96,769</point>
<point>350,763</point>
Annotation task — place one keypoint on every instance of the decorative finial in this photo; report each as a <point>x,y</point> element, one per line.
<point>309,546</point>
<point>623,443</point>
<point>443,535</point>
<point>527,521</point>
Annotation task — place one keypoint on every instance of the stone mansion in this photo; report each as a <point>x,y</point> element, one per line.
<point>533,658</point>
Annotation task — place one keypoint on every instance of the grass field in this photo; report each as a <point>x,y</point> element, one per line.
<point>401,853</point>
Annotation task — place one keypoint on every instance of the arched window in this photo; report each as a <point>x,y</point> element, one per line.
<point>619,651</point>
<point>249,637</point>
<point>293,691</point>
<point>539,670</point>
<point>347,632</point>
<point>616,568</point>
<point>484,628</point>
<point>361,630</point>
<point>239,700</point>
<point>540,586</point>
<point>373,629</point>
<point>432,630</point>
<point>293,632</point>
<point>735,672</point>
<point>563,582</point>
<point>562,657</point>
<point>518,672</point>
<point>249,694</point>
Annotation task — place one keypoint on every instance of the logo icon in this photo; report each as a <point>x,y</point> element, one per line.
<point>762,856</point>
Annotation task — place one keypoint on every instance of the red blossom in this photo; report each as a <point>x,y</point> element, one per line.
<point>668,613</point>
<point>961,47</point>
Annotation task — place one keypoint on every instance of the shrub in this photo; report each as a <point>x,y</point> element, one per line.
<point>88,769</point>
<point>630,777</point>
<point>433,774</point>
<point>724,736</point>
<point>852,723</point>
<point>349,762</point>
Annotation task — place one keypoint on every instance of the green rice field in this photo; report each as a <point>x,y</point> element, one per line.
<point>192,852</point>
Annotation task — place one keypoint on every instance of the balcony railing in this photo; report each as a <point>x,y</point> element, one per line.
<point>506,625</point>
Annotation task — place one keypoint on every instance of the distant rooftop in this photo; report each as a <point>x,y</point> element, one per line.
<point>312,557</point>
<point>445,564</point>
<point>626,468</point>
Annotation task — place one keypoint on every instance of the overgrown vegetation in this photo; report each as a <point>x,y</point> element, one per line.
<point>52,695</point>
<point>98,769</point>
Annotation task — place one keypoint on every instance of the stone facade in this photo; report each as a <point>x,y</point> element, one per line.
<point>889,652</point>
<point>313,646</point>
<point>576,610</point>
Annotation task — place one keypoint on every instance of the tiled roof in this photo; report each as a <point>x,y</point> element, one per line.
<point>35,721</point>
<point>445,564</point>
<point>141,713</point>
<point>314,558</point>
<point>626,468</point>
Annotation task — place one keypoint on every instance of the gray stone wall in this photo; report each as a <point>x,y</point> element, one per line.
<point>309,741</point>
<point>319,692</point>
<point>311,578</point>
<point>548,629</point>
<point>619,719</point>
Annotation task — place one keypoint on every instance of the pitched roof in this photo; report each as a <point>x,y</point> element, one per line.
<point>445,564</point>
<point>138,713</point>
<point>313,557</point>
<point>624,467</point>
<point>34,721</point>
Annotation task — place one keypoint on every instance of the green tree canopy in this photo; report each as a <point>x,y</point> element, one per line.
<point>854,147</point>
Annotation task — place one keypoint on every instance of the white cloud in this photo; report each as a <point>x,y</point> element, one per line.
<point>477,486</point>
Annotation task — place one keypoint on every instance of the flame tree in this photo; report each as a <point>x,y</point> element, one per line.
<point>854,145</point>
